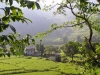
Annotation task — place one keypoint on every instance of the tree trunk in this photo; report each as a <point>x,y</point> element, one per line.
<point>72,57</point>
<point>90,36</point>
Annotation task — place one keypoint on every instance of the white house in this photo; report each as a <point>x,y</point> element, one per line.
<point>29,51</point>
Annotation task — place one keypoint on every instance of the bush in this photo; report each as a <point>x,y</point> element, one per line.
<point>47,58</point>
<point>29,57</point>
<point>64,60</point>
<point>58,58</point>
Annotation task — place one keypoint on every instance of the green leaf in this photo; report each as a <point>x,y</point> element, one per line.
<point>12,28</point>
<point>18,53</point>
<point>33,41</point>
<point>13,18</point>
<point>33,7</point>
<point>5,37</point>
<point>14,11</point>
<point>27,35</point>
<point>1,39</point>
<point>0,49</point>
<point>81,26</point>
<point>52,26</point>
<point>1,0</point>
<point>23,20</point>
<point>12,50</point>
<point>17,1</point>
<point>37,5</point>
<point>1,54</point>
<point>8,54</point>
<point>10,37</point>
<point>20,12</point>
<point>28,19</point>
<point>11,2</point>
<point>6,0</point>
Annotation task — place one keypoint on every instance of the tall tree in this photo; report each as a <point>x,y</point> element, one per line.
<point>71,48</point>
<point>40,48</point>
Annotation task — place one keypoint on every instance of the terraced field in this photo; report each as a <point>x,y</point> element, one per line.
<point>36,66</point>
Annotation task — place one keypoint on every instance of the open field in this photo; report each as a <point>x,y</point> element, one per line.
<point>36,66</point>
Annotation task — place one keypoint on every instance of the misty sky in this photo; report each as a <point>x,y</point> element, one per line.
<point>41,19</point>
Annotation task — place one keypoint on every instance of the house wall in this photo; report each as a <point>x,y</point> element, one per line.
<point>29,51</point>
<point>52,58</point>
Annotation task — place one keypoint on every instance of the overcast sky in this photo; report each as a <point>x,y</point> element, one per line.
<point>41,19</point>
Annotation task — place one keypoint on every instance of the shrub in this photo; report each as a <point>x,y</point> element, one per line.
<point>64,60</point>
<point>29,57</point>
<point>47,58</point>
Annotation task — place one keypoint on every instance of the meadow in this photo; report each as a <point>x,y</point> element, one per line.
<point>36,66</point>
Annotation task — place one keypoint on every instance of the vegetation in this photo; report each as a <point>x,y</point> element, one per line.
<point>71,48</point>
<point>51,49</point>
<point>14,14</point>
<point>40,48</point>
<point>23,66</point>
<point>86,16</point>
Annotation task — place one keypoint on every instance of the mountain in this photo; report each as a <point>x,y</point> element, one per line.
<point>41,21</point>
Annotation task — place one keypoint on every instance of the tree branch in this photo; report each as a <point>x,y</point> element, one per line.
<point>86,21</point>
<point>64,26</point>
<point>89,26</point>
<point>90,15</point>
<point>75,24</point>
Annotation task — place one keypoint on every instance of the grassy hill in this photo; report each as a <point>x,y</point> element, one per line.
<point>72,36</point>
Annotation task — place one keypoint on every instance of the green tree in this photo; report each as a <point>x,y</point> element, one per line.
<point>14,14</point>
<point>37,47</point>
<point>40,48</point>
<point>71,48</point>
<point>51,49</point>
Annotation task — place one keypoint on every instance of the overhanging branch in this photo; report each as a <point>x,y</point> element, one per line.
<point>64,27</point>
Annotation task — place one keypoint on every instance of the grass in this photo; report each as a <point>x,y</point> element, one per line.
<point>36,66</point>
<point>41,73</point>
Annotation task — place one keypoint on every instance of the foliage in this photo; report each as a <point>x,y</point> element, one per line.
<point>71,48</point>
<point>29,57</point>
<point>13,14</point>
<point>37,47</point>
<point>89,56</point>
<point>40,48</point>
<point>51,49</point>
